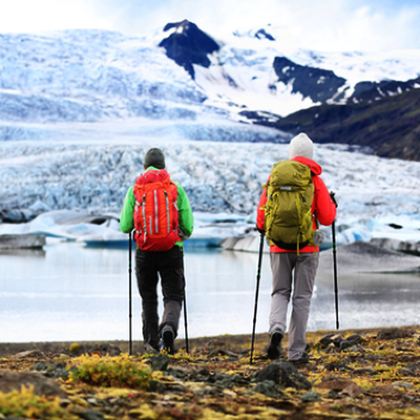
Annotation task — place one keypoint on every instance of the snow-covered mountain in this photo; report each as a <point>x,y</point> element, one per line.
<point>256,70</point>
<point>180,74</point>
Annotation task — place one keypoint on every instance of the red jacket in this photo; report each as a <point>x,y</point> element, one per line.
<point>323,208</point>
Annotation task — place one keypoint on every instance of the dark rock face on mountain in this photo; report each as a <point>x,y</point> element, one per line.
<point>322,85</point>
<point>374,91</point>
<point>317,84</point>
<point>263,34</point>
<point>188,45</point>
<point>390,127</point>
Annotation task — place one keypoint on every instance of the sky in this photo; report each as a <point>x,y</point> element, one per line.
<point>329,25</point>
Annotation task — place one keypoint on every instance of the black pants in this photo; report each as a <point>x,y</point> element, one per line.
<point>170,266</point>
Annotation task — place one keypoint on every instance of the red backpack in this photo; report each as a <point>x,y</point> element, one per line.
<point>155,213</point>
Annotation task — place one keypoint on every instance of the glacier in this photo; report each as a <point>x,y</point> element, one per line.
<point>94,175</point>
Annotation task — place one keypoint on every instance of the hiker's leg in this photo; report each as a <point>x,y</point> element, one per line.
<point>281,267</point>
<point>147,278</point>
<point>171,269</point>
<point>304,280</point>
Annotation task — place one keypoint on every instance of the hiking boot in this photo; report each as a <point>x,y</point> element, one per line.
<point>303,360</point>
<point>168,341</point>
<point>151,348</point>
<point>274,348</point>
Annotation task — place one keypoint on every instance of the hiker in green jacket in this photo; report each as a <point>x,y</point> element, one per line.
<point>160,213</point>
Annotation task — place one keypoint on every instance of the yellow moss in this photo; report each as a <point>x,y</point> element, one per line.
<point>110,371</point>
<point>144,412</point>
<point>183,355</point>
<point>25,403</point>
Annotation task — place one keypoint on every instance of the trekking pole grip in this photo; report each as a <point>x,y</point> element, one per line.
<point>332,195</point>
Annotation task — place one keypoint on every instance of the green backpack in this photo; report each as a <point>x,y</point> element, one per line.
<point>288,216</point>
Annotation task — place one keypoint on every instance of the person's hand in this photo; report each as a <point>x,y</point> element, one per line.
<point>262,231</point>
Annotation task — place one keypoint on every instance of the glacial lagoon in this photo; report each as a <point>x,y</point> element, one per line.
<point>70,293</point>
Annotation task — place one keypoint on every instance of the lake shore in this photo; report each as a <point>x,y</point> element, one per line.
<point>366,373</point>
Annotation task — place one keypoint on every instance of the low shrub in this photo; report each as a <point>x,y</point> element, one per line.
<point>110,371</point>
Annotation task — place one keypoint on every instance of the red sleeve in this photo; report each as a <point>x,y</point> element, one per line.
<point>325,210</point>
<point>261,210</point>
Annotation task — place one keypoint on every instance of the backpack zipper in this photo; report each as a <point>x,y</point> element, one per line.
<point>156,211</point>
<point>143,209</point>
<point>167,212</point>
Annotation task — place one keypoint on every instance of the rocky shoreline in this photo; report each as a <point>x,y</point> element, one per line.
<point>351,374</point>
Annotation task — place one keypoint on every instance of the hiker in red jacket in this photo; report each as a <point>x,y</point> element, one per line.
<point>298,263</point>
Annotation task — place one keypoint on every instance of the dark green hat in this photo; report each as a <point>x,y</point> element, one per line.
<point>154,157</point>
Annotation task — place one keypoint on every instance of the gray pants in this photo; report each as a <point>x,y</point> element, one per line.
<point>304,267</point>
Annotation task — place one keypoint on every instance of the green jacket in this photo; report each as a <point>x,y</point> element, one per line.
<point>186,220</point>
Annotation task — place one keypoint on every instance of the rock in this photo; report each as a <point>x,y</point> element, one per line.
<point>222,352</point>
<point>305,79</point>
<point>340,365</point>
<point>65,402</point>
<point>333,342</point>
<point>353,349</point>
<point>310,396</point>
<point>92,401</point>
<point>352,390</point>
<point>52,370</point>
<point>91,415</point>
<point>394,333</point>
<point>325,341</point>
<point>411,369</point>
<point>228,381</point>
<point>178,373</point>
<point>16,216</point>
<point>384,390</point>
<point>351,341</point>
<point>364,371</point>
<point>188,45</point>
<point>284,374</point>
<point>28,354</point>
<point>10,381</point>
<point>209,391</point>
<point>268,388</point>
<point>159,362</point>
<point>335,383</point>
<point>330,341</point>
<point>409,247</point>
<point>334,395</point>
<point>22,241</point>
<point>402,384</point>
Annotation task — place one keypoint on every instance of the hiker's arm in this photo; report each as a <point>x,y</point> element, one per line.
<point>325,209</point>
<point>126,217</point>
<point>186,219</point>
<point>261,210</point>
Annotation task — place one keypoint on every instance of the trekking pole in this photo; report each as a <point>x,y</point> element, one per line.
<point>130,315</point>
<point>260,254</point>
<point>187,347</point>
<point>337,325</point>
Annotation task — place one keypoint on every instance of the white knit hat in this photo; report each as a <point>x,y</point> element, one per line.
<point>301,145</point>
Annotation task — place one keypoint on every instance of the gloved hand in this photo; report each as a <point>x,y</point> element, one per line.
<point>262,231</point>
